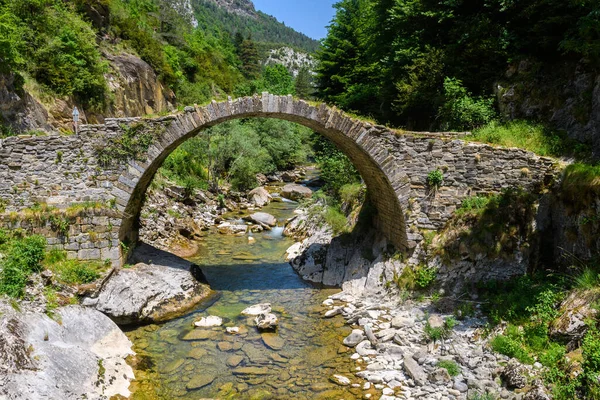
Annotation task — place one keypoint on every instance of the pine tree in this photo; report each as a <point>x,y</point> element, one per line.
<point>250,59</point>
<point>304,85</point>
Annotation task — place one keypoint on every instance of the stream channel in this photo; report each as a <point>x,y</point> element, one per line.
<point>178,361</point>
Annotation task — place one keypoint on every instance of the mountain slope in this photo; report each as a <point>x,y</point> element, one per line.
<point>239,16</point>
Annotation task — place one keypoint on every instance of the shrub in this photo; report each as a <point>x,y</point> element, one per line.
<point>22,258</point>
<point>511,348</point>
<point>425,276</point>
<point>450,366</point>
<point>336,220</point>
<point>461,111</point>
<point>435,179</point>
<point>71,271</point>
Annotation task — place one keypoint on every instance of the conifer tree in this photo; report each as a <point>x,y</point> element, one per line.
<point>303,84</point>
<point>250,59</point>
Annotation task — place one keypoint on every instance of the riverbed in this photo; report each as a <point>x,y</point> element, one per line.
<point>176,361</point>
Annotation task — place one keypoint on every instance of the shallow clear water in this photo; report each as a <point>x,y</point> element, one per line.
<point>294,363</point>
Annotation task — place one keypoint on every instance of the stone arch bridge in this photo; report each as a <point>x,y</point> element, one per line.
<point>101,198</point>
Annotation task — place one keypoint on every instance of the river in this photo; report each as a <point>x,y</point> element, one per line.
<point>294,363</point>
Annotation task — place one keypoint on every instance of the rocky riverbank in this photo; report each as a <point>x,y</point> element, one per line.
<point>404,350</point>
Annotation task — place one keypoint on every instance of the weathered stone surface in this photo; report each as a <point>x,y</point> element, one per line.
<point>514,375</point>
<point>262,218</point>
<point>575,311</point>
<point>199,334</point>
<point>206,322</point>
<point>266,322</point>
<point>250,371</point>
<point>414,370</point>
<point>259,197</point>
<point>227,228</point>
<point>354,338</point>
<point>273,341</point>
<point>83,355</point>
<point>234,361</point>
<point>257,309</point>
<point>340,380</point>
<point>148,293</point>
<point>295,192</point>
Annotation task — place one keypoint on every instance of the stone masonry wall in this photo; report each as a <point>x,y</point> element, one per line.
<point>64,170</point>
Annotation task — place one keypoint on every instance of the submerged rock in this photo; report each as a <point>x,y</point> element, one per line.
<point>273,341</point>
<point>266,322</point>
<point>79,354</point>
<point>199,381</point>
<point>148,293</point>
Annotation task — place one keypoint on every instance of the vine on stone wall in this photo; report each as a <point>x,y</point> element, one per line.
<point>131,145</point>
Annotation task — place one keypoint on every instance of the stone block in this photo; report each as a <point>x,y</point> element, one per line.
<point>89,254</point>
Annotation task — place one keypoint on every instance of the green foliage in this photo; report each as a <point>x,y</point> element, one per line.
<point>391,59</point>
<point>591,362</point>
<point>23,257</point>
<point>235,152</point>
<point>49,40</point>
<point>336,220</point>
<point>262,27</point>
<point>76,272</point>
<point>438,333</point>
<point>511,345</point>
<point>581,184</point>
<point>461,111</point>
<point>435,179</point>
<point>424,276</point>
<point>130,145</point>
<point>335,167</point>
<point>588,279</point>
<point>303,85</point>
<point>528,135</point>
<point>450,366</point>
<point>278,80</point>
<point>474,204</point>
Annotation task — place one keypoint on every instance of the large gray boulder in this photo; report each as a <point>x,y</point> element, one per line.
<point>259,197</point>
<point>296,192</point>
<point>80,353</point>
<point>262,218</point>
<point>148,293</point>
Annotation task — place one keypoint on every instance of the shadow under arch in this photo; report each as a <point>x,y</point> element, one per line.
<point>355,138</point>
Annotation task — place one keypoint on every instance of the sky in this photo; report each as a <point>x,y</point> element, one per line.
<point>307,16</point>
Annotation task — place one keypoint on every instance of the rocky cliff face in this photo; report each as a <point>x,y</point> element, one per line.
<point>241,7</point>
<point>135,91</point>
<point>291,59</point>
<point>136,88</point>
<point>567,96</point>
<point>18,109</point>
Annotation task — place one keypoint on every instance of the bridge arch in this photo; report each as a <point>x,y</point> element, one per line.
<point>353,137</point>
